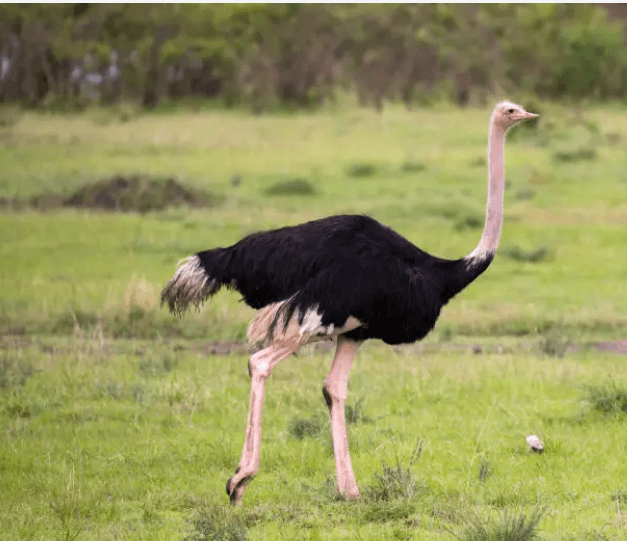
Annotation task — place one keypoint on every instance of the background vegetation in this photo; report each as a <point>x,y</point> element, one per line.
<point>277,55</point>
<point>118,421</point>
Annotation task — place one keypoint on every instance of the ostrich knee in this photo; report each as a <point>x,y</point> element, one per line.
<point>333,395</point>
<point>327,397</point>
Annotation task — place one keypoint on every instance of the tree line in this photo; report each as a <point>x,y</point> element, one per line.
<point>301,55</point>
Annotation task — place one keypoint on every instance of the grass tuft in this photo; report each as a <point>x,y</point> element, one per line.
<point>361,170</point>
<point>10,115</point>
<point>297,186</point>
<point>17,406</point>
<point>68,506</point>
<point>508,527</point>
<point>121,114</point>
<point>218,524</point>
<point>479,161</point>
<point>14,370</point>
<point>537,255</point>
<point>141,295</point>
<point>609,397</point>
<point>555,344</point>
<point>524,195</point>
<point>581,154</point>
<point>485,470</point>
<point>469,222</point>
<point>410,166</point>
<point>355,413</point>
<point>395,481</point>
<point>613,138</point>
<point>391,511</point>
<point>310,427</point>
<point>162,363</point>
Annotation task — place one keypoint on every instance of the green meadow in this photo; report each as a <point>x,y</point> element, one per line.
<point>119,421</point>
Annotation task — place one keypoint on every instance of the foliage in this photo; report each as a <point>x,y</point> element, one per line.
<point>299,55</point>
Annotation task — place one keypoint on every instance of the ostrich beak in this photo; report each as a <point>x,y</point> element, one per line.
<point>525,115</point>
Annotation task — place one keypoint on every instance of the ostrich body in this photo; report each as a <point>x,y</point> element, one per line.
<point>348,277</point>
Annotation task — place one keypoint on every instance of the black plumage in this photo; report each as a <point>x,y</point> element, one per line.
<point>343,266</point>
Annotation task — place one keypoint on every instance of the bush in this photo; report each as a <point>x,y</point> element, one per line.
<point>297,186</point>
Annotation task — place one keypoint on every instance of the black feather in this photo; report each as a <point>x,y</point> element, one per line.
<point>346,266</point>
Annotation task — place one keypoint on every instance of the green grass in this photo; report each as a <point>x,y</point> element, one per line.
<point>116,422</point>
<point>561,259</point>
<point>135,440</point>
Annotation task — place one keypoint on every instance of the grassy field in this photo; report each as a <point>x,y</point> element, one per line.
<point>118,422</point>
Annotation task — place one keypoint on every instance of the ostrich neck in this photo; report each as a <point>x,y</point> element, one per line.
<point>494,211</point>
<point>459,273</point>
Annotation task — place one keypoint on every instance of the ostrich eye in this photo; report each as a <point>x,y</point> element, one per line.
<point>510,111</point>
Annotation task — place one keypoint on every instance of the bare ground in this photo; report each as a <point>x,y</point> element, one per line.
<point>17,341</point>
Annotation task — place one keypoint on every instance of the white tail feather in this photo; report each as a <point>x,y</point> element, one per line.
<point>189,285</point>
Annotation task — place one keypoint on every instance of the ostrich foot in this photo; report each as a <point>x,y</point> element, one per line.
<point>348,490</point>
<point>236,485</point>
<point>351,495</point>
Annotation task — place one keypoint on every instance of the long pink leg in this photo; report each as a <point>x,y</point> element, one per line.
<point>335,390</point>
<point>260,367</point>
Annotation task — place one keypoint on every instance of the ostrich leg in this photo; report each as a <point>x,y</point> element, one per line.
<point>260,367</point>
<point>334,390</point>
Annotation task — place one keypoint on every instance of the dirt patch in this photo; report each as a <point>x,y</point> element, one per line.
<point>9,341</point>
<point>135,193</point>
<point>616,346</point>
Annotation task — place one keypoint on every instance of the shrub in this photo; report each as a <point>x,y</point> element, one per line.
<point>297,186</point>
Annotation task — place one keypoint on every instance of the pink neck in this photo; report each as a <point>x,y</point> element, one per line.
<point>496,184</point>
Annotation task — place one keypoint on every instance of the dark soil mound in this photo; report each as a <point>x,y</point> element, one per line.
<point>138,193</point>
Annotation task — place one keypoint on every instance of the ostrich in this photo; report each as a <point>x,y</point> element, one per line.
<point>344,277</point>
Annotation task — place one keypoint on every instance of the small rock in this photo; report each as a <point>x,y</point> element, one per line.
<point>535,445</point>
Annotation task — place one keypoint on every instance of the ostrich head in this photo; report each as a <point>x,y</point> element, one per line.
<point>507,114</point>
